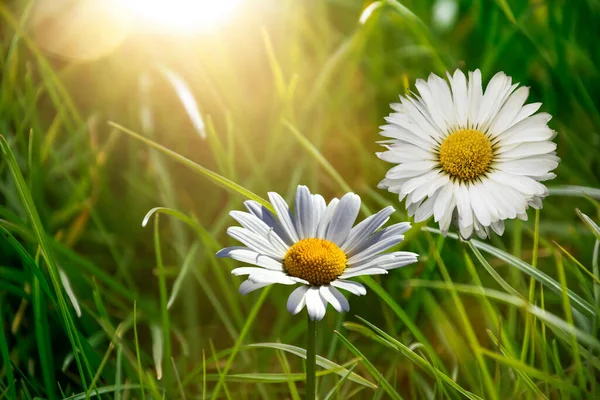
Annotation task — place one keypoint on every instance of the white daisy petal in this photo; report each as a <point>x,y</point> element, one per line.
<point>268,218</point>
<point>248,286</point>
<point>353,287</point>
<point>375,261</point>
<point>339,303</point>
<point>401,259</point>
<point>343,218</point>
<point>297,300</point>
<point>284,214</point>
<point>475,93</point>
<point>261,275</point>
<point>319,207</point>
<point>255,224</point>
<point>315,304</point>
<point>458,83</point>
<point>255,242</point>
<point>246,255</point>
<point>506,116</point>
<point>364,271</point>
<point>396,231</point>
<point>378,247</point>
<point>456,149</point>
<point>304,218</point>
<point>326,219</point>
<point>366,228</point>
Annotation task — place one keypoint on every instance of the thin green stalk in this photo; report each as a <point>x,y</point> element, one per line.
<point>137,351</point>
<point>529,320</point>
<point>311,359</point>
<point>166,325</point>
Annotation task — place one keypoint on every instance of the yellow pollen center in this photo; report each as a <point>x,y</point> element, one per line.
<point>317,261</point>
<point>466,154</point>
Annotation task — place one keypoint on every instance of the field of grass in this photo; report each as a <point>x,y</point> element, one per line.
<point>94,135</point>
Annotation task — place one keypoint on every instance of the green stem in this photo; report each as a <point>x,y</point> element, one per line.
<point>311,360</point>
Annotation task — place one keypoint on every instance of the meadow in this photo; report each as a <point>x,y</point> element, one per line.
<point>102,120</point>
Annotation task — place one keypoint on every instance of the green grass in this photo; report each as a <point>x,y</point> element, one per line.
<point>95,305</point>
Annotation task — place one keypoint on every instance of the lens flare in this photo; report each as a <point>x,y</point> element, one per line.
<point>181,16</point>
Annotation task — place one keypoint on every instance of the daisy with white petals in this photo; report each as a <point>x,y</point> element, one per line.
<point>466,156</point>
<point>316,247</point>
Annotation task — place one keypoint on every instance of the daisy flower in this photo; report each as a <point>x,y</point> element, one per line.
<point>466,156</point>
<point>315,247</point>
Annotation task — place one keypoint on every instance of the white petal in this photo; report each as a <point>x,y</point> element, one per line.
<point>376,248</point>
<point>261,275</point>
<point>526,111</point>
<point>248,286</point>
<point>428,92</point>
<point>351,286</point>
<point>465,213</point>
<point>326,218</point>
<point>400,259</point>
<point>406,170</point>
<point>246,255</point>
<point>304,220</point>
<point>319,207</point>
<point>335,298</point>
<point>522,183</point>
<point>422,183</point>
<point>475,93</point>
<point>443,100</point>
<point>441,203</point>
<point>343,218</point>
<point>255,224</point>
<point>458,84</point>
<point>533,166</point>
<point>526,149</point>
<point>393,231</point>
<point>425,210</point>
<point>268,218</point>
<point>494,92</point>
<point>530,129</point>
<point>297,300</point>
<point>364,271</point>
<point>284,215</point>
<point>505,117</point>
<point>498,227</point>
<point>374,261</point>
<point>315,304</point>
<point>255,242</point>
<point>366,228</point>
<point>479,208</point>
<point>399,153</point>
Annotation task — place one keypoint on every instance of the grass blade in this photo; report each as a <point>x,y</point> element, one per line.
<point>213,176</point>
<point>371,368</point>
<point>526,268</point>
<point>321,361</point>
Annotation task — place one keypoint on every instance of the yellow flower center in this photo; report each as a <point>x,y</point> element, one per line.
<point>466,154</point>
<point>317,261</point>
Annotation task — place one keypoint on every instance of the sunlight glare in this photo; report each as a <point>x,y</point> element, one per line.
<point>183,16</point>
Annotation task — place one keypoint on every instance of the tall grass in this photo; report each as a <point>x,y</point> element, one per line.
<point>95,305</point>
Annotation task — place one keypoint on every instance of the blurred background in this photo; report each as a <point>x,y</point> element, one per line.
<point>268,94</point>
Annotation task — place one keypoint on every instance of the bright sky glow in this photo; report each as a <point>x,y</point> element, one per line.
<point>181,16</point>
